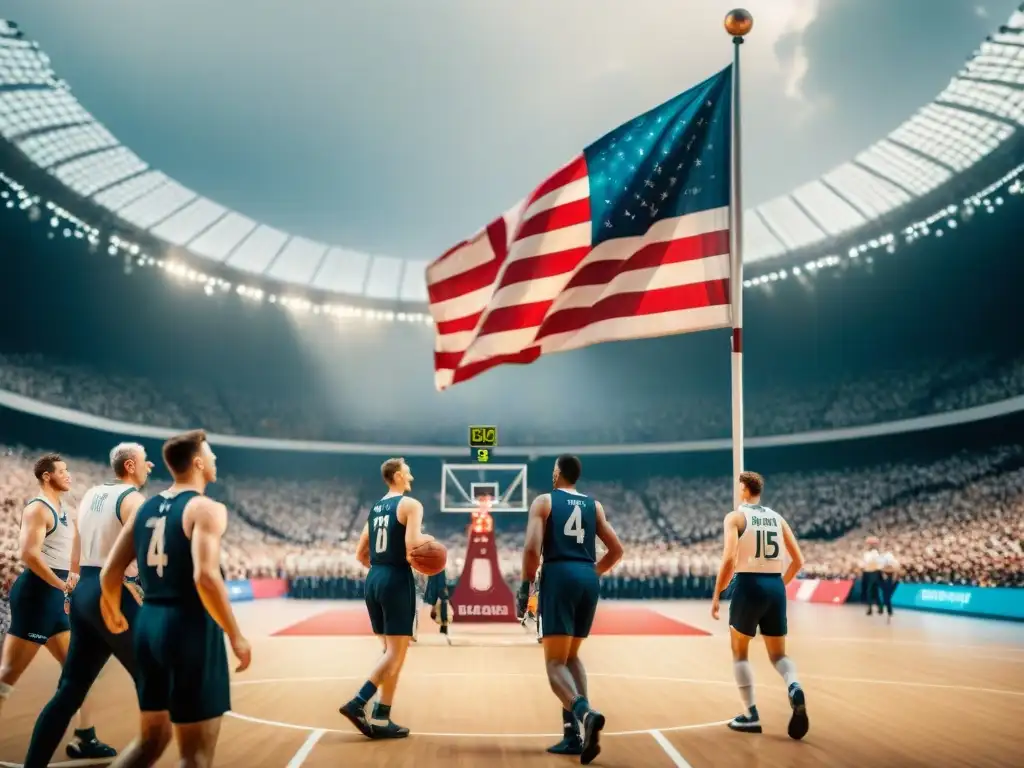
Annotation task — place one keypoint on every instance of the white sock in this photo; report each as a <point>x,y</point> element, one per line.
<point>745,680</point>
<point>5,690</point>
<point>787,669</point>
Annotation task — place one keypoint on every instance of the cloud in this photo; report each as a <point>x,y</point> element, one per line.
<point>787,26</point>
<point>981,11</point>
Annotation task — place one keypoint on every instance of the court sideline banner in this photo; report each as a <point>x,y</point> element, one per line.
<point>988,602</point>
<point>835,592</point>
<point>256,589</point>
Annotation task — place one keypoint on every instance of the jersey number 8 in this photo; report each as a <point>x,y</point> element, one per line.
<point>155,556</point>
<point>574,525</point>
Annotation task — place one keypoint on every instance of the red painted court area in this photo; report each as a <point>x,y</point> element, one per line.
<point>610,620</point>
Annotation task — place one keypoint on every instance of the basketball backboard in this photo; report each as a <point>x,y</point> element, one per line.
<point>464,485</point>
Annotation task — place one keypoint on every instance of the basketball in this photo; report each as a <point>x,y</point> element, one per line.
<point>429,558</point>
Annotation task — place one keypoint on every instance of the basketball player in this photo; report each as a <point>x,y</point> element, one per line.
<point>752,551</point>
<point>39,598</point>
<point>871,579</point>
<point>563,527</point>
<point>393,529</point>
<point>102,512</point>
<point>890,570</point>
<point>179,632</point>
<point>437,597</point>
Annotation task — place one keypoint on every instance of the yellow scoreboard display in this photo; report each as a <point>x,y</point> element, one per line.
<point>482,442</point>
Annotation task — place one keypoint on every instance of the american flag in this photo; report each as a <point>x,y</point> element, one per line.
<point>628,240</point>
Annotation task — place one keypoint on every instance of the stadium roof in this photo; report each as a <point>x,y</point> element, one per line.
<point>981,108</point>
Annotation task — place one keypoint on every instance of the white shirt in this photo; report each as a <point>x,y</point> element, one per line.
<point>761,546</point>
<point>889,563</point>
<point>99,521</point>
<point>60,536</point>
<point>872,561</point>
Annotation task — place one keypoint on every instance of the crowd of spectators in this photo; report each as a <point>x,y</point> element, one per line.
<point>919,388</point>
<point>959,520</point>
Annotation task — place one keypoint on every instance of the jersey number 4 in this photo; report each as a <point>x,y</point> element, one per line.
<point>767,546</point>
<point>574,526</point>
<point>155,556</point>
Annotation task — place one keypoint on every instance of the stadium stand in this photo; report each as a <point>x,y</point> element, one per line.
<point>916,389</point>
<point>955,521</point>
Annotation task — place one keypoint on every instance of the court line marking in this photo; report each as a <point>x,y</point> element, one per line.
<point>638,732</point>
<point>659,678</point>
<point>912,684</point>
<point>936,644</point>
<point>307,746</point>
<point>655,678</point>
<point>674,755</point>
<point>65,764</point>
<point>552,735</point>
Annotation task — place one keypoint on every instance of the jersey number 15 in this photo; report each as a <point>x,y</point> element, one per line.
<point>767,545</point>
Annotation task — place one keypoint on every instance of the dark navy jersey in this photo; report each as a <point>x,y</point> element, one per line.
<point>163,551</point>
<point>571,530</point>
<point>387,535</point>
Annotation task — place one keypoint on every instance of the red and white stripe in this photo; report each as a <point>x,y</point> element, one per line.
<point>531,284</point>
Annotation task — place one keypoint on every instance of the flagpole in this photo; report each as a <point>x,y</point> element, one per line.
<point>738,23</point>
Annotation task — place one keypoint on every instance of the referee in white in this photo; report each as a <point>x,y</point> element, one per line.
<point>871,576</point>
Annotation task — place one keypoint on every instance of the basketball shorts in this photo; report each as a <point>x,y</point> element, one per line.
<point>758,602</point>
<point>92,643</point>
<point>569,592</point>
<point>391,600</point>
<point>182,664</point>
<point>37,609</point>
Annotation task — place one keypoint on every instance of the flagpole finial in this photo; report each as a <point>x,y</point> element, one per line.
<point>739,22</point>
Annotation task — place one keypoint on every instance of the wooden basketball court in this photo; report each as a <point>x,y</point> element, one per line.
<point>927,690</point>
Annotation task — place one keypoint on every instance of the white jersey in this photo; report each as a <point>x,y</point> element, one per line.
<point>60,536</point>
<point>872,561</point>
<point>99,521</point>
<point>761,546</point>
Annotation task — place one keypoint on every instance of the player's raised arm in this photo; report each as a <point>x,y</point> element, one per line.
<point>36,522</point>
<point>730,548</point>
<point>414,535</point>
<point>611,542</point>
<point>363,547</point>
<point>793,548</point>
<point>538,517</point>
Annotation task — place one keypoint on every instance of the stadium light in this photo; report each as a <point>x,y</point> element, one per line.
<point>949,216</point>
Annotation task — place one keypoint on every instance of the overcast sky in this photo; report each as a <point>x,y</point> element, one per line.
<point>399,126</point>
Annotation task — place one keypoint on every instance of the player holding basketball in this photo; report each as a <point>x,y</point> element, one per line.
<point>49,550</point>
<point>752,551</point>
<point>563,528</point>
<point>179,633</point>
<point>394,528</point>
<point>103,512</point>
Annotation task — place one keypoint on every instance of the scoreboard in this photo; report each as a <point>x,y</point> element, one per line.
<point>482,442</point>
